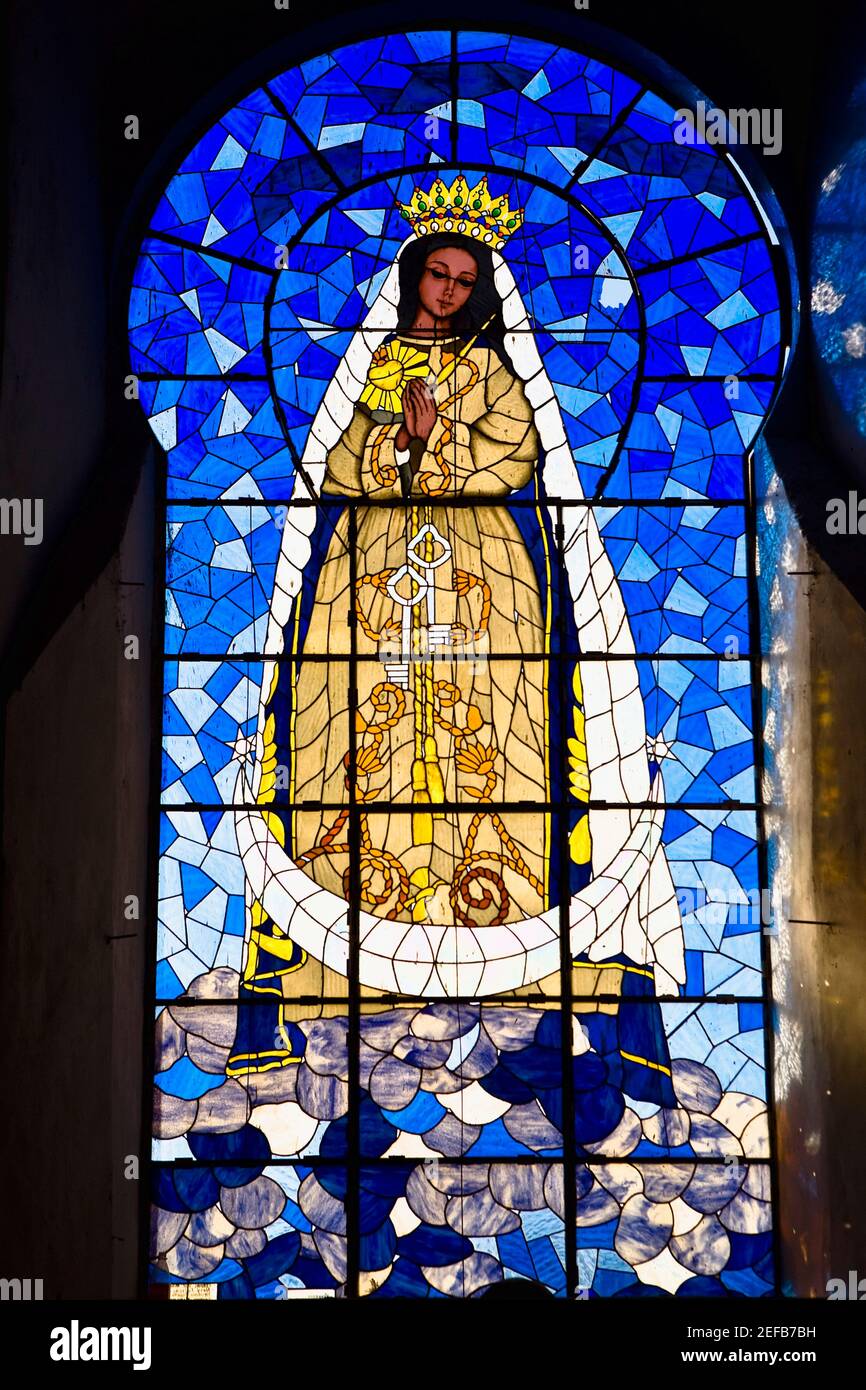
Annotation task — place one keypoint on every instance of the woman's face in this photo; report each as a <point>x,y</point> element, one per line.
<point>446,281</point>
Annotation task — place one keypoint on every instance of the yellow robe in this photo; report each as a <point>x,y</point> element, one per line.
<point>466,725</point>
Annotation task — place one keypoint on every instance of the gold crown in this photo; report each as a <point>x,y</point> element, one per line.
<point>471,211</point>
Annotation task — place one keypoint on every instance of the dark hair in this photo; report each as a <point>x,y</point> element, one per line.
<point>483,303</point>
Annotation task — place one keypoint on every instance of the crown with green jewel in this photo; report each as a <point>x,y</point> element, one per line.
<point>474,212</point>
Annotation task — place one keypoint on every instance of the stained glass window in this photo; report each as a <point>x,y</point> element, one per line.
<point>838,287</point>
<point>460,943</point>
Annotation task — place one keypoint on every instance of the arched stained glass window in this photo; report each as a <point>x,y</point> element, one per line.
<point>457,356</point>
<point>838,307</point>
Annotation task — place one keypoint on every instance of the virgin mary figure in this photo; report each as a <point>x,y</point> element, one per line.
<point>420,598</point>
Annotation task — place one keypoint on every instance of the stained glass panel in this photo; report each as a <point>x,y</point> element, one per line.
<point>460,943</point>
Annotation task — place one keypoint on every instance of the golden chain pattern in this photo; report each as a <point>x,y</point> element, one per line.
<point>378,581</point>
<point>372,861</point>
<point>369,759</point>
<point>427,480</point>
<point>385,476</point>
<point>472,869</point>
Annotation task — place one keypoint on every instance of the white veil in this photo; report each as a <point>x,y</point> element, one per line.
<point>629,906</point>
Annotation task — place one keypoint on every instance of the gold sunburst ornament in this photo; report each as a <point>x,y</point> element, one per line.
<point>474,212</point>
<point>392,366</point>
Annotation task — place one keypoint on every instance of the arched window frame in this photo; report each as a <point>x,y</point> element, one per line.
<point>781,270</point>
